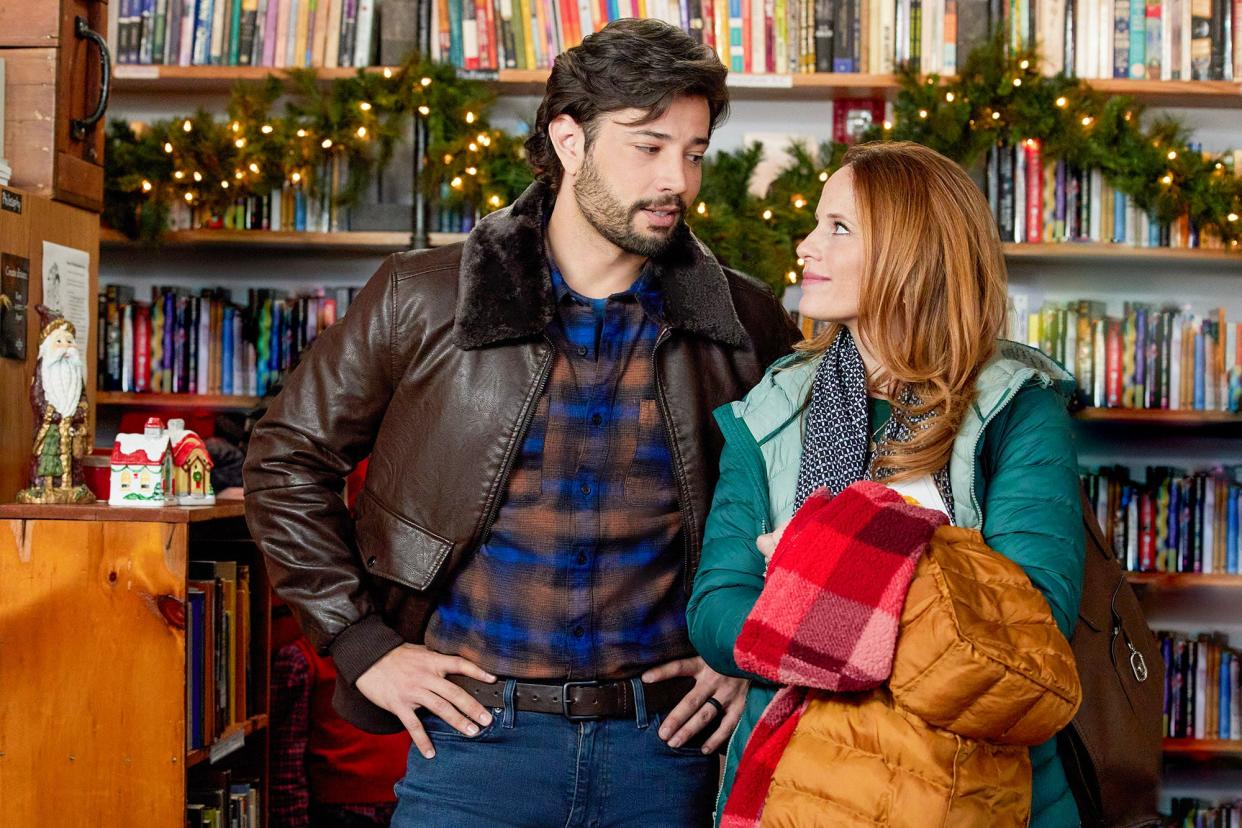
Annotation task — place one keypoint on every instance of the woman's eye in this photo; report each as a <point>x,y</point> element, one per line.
<point>648,150</point>
<point>696,160</point>
<point>839,229</point>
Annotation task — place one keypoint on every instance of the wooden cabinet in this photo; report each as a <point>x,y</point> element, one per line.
<point>56,72</point>
<point>93,618</point>
<point>28,221</point>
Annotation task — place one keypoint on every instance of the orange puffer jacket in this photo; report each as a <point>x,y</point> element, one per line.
<point>980,673</point>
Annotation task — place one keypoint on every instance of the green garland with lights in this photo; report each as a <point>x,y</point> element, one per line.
<point>1001,96</point>
<point>335,136</point>
<point>348,129</point>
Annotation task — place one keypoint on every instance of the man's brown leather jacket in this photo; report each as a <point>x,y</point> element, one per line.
<point>434,373</point>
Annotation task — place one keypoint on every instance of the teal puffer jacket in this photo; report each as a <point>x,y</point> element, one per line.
<point>1014,474</point>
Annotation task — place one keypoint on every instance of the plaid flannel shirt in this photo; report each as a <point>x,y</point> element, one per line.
<point>581,577</point>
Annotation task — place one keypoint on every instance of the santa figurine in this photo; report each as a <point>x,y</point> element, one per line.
<point>58,397</point>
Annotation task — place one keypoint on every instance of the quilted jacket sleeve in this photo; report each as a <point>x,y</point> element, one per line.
<point>1031,510</point>
<point>979,653</point>
<point>730,575</point>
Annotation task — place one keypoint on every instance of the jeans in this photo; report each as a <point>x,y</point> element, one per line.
<point>542,770</point>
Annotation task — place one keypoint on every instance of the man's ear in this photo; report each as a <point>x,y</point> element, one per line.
<point>568,140</point>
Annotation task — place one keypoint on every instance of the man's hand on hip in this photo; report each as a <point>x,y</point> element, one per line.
<point>695,712</point>
<point>412,676</point>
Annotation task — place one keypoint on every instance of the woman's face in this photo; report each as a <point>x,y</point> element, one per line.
<point>832,255</point>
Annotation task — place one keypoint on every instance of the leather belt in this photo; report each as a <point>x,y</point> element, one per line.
<point>579,700</point>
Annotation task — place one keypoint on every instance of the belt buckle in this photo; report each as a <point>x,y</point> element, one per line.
<point>565,701</point>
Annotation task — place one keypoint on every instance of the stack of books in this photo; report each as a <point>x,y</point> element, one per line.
<point>1201,687</point>
<point>1172,520</point>
<point>182,343</point>
<point>276,33</point>
<point>219,681</point>
<point>1150,356</point>
<point>1037,202</point>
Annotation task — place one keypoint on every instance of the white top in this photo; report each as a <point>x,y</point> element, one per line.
<point>922,491</point>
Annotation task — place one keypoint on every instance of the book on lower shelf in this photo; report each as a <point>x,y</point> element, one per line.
<point>1171,521</point>
<point>1193,812</point>
<point>222,800</point>
<point>219,687</point>
<point>1201,686</point>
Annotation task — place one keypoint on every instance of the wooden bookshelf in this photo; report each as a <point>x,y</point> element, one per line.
<point>1087,251</point>
<point>361,241</point>
<point>806,87</point>
<point>246,729</point>
<point>215,402</point>
<point>1204,748</point>
<point>1158,417</point>
<point>1185,581</point>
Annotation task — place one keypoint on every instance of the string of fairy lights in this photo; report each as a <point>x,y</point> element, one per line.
<point>338,135</point>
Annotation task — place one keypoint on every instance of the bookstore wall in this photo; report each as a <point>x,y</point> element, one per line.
<point>1147,316</point>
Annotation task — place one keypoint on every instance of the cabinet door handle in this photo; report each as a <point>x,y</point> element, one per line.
<point>78,127</point>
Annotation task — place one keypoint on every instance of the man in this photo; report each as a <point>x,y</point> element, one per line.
<point>536,404</point>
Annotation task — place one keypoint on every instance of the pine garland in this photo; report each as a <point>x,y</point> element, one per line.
<point>1001,96</point>
<point>336,135</point>
<point>346,131</point>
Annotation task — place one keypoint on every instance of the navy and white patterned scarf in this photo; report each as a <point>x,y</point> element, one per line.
<point>836,443</point>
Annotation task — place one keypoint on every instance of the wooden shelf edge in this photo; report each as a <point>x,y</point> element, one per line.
<point>190,401</point>
<point>1094,250</point>
<point>366,240</point>
<point>101,511</point>
<point>803,86</point>
<point>1186,580</point>
<point>1157,416</point>
<point>1206,748</point>
<point>251,726</point>
<point>399,240</point>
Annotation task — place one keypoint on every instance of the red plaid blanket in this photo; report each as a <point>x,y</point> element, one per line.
<point>827,618</point>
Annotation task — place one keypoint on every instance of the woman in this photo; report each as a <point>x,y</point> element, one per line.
<point>909,385</point>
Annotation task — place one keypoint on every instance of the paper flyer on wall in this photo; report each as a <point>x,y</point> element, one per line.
<point>66,285</point>
<point>5,171</point>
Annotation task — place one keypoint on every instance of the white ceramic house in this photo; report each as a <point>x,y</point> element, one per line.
<point>142,468</point>
<point>191,466</point>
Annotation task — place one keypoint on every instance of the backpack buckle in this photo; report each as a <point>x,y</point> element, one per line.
<point>1138,664</point>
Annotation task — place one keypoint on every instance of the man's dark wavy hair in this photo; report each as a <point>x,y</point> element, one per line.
<point>629,64</point>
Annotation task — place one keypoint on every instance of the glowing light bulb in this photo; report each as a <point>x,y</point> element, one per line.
<point>1062,101</point>
<point>365,106</point>
<point>424,110</point>
<point>767,215</point>
<point>266,129</point>
<point>146,186</point>
<point>326,143</point>
<point>187,126</point>
<point>167,147</point>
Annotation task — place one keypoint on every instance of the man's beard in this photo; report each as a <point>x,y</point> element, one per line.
<point>615,222</point>
<point>62,380</point>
